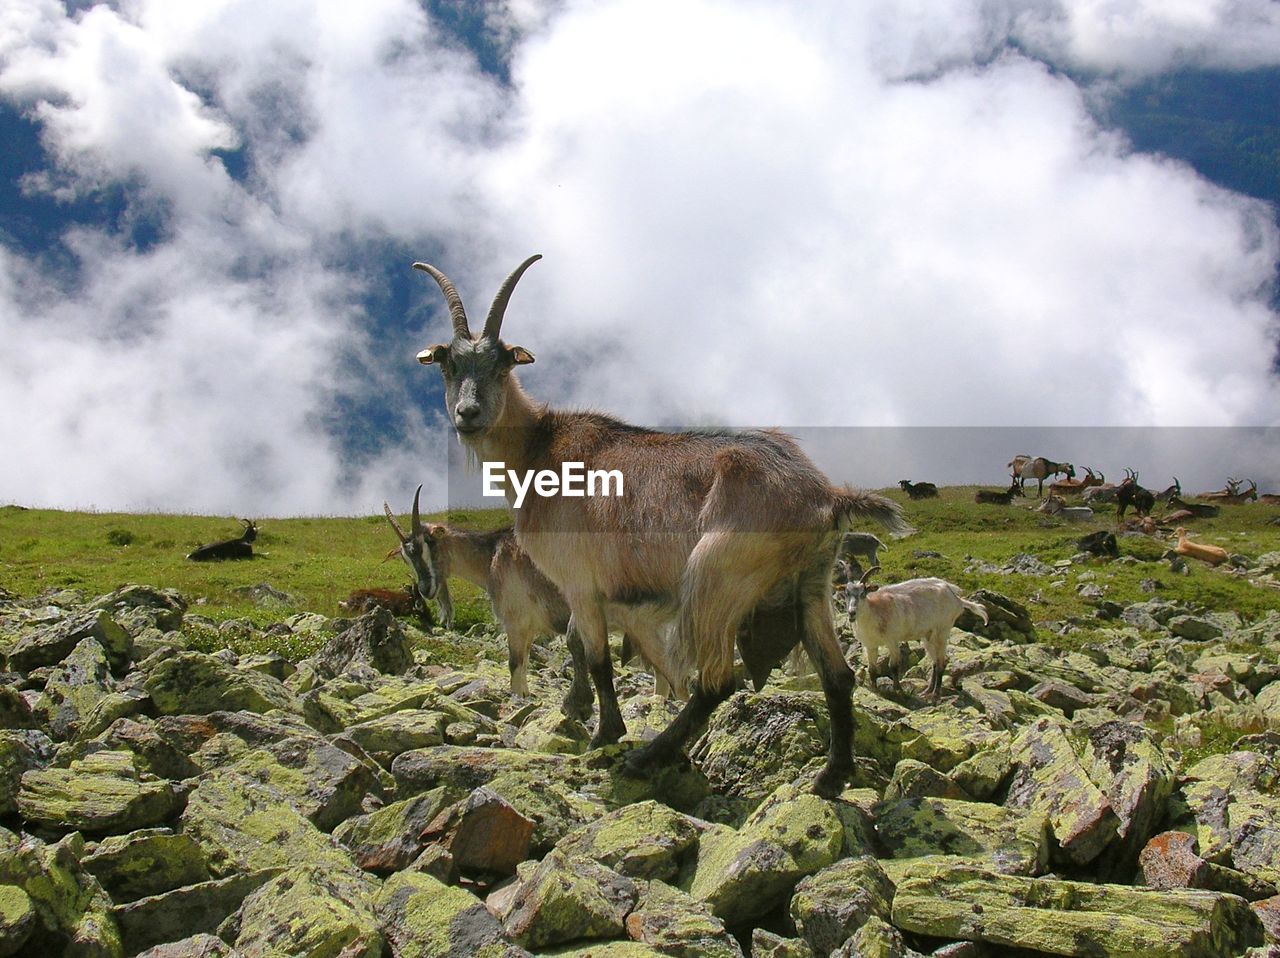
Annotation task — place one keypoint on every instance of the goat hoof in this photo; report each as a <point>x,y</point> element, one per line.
<point>606,736</point>
<point>577,706</point>
<point>830,782</point>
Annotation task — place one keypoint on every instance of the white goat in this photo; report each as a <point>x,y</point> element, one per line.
<point>888,616</point>
<point>1055,505</point>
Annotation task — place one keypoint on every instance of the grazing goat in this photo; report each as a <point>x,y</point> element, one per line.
<point>888,616</point>
<point>991,497</point>
<point>396,601</point>
<point>525,604</point>
<point>1070,487</point>
<point>853,545</point>
<point>918,490</point>
<point>239,548</point>
<point>1057,506</point>
<point>1214,555</point>
<point>1200,510</point>
<point>1169,493</point>
<point>716,528</point>
<point>1129,493</point>
<point>1039,469</point>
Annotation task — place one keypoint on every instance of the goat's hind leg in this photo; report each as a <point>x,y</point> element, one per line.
<point>579,699</point>
<point>594,630</point>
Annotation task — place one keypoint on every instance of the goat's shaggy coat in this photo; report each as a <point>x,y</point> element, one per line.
<point>730,536</point>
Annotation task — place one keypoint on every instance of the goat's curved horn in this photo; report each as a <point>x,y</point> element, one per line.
<point>417,519</point>
<point>456,311</point>
<point>867,575</point>
<point>493,322</point>
<point>394,525</point>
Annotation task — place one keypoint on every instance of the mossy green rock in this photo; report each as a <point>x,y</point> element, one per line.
<point>387,736</point>
<point>246,825</point>
<point>832,904</point>
<point>21,751</point>
<point>878,939</point>
<point>17,919</point>
<point>1131,768</point>
<point>51,644</point>
<point>945,899</point>
<point>565,899</point>
<point>186,910</point>
<point>424,918</point>
<point>72,910</point>
<point>1010,841</point>
<point>746,873</point>
<point>193,683</point>
<point>645,840</point>
<point>605,949</point>
<point>104,793</point>
<point>74,689</point>
<point>387,840</point>
<point>193,946</point>
<point>1049,778</point>
<point>553,732</point>
<point>146,862</point>
<point>678,926</point>
<point>308,913</point>
<point>758,741</point>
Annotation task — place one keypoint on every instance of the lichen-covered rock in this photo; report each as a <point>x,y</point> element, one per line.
<point>73,913</point>
<point>196,946</point>
<point>73,689</point>
<point>1170,860</point>
<point>423,918</point>
<point>387,736</point>
<point>946,899</point>
<point>374,640</point>
<point>983,773</point>
<point>17,919</point>
<point>187,910</point>
<point>644,840</point>
<point>758,741</point>
<point>1011,841</point>
<point>389,839</point>
<point>137,607</point>
<point>1137,777</point>
<point>484,834</point>
<point>15,711</point>
<point>21,751</point>
<point>767,944</point>
<point>51,644</point>
<point>554,732</point>
<point>146,862</point>
<point>676,925</point>
<point>877,939</point>
<point>1228,802</point>
<point>832,904</point>
<point>913,779</point>
<point>193,683</point>
<point>1049,778</point>
<point>746,873</point>
<point>103,793</point>
<point>565,899</point>
<point>309,913</point>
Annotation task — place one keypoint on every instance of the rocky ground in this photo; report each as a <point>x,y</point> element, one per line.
<point>364,802</point>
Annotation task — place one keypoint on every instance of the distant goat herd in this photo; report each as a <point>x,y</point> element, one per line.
<point>725,541</point>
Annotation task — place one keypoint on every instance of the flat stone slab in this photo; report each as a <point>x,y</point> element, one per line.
<point>1010,841</point>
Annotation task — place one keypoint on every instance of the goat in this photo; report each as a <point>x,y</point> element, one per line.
<point>1230,489</point>
<point>1129,493</point>
<point>238,548</point>
<point>1169,493</point>
<point>1068,487</point>
<point>1237,498</point>
<point>1057,506</point>
<point>853,545</point>
<point>918,490</point>
<point>1100,494</point>
<point>716,528</point>
<point>1269,499</point>
<point>1200,510</point>
<point>1214,555</point>
<point>993,498</point>
<point>396,601</point>
<point>888,616</point>
<point>1039,469</point>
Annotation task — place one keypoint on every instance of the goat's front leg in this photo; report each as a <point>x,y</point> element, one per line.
<point>594,630</point>
<point>820,642</point>
<point>446,606</point>
<point>668,746</point>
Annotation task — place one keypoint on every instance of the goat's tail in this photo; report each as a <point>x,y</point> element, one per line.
<point>854,504</point>
<point>976,608</point>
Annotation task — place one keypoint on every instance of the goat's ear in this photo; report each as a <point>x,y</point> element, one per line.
<point>433,354</point>
<point>872,588</point>
<point>436,531</point>
<point>519,356</point>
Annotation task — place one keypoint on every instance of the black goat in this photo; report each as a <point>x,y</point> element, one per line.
<point>1129,493</point>
<point>919,490</point>
<point>240,548</point>
<point>992,498</point>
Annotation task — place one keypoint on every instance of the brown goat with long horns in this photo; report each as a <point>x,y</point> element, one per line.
<point>714,531</point>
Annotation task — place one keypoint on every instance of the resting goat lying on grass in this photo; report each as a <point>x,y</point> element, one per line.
<point>888,616</point>
<point>1214,555</point>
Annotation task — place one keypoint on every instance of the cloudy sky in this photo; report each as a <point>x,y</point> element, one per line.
<point>882,214</point>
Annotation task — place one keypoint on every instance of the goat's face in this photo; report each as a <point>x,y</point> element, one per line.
<point>475,368</point>
<point>420,550</point>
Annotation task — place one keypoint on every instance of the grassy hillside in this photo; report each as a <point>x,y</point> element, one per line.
<point>318,561</point>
